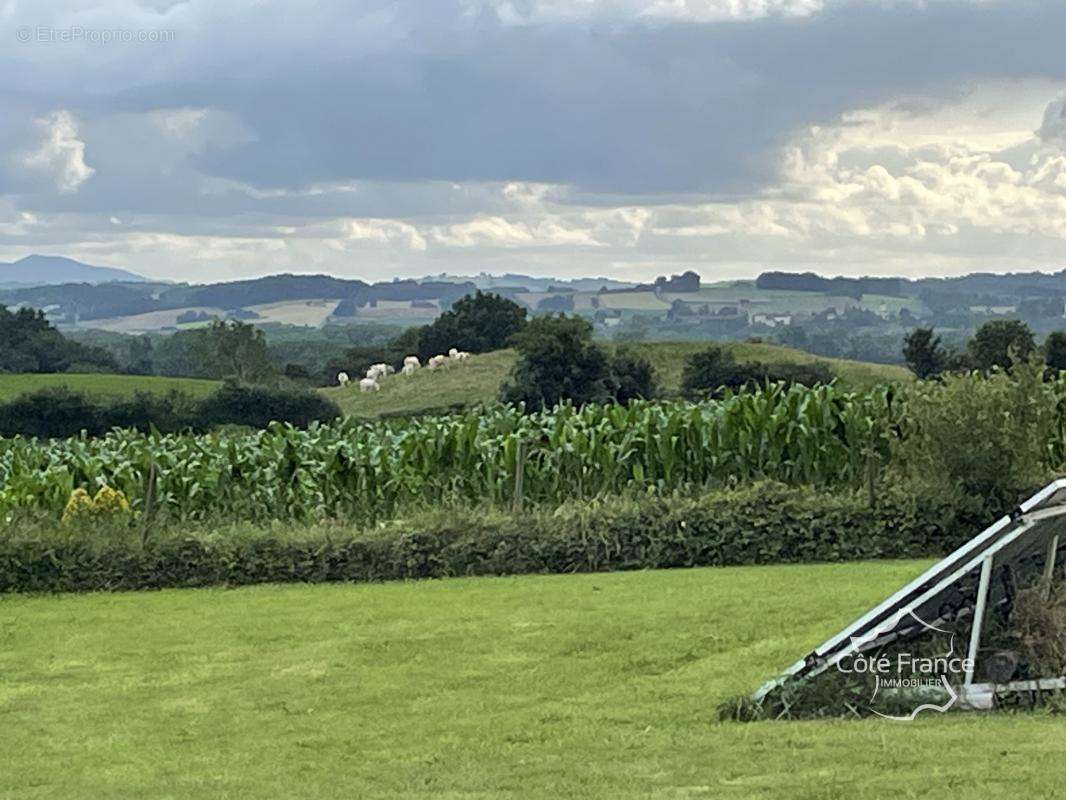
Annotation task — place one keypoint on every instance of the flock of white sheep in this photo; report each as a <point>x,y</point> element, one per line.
<point>411,365</point>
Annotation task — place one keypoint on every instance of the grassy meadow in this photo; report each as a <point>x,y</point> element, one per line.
<point>477,381</point>
<point>99,385</point>
<point>600,685</point>
<point>480,379</point>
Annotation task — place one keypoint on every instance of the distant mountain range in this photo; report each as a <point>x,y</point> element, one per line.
<point>37,270</point>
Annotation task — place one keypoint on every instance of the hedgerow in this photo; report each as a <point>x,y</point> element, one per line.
<point>764,523</point>
<point>58,413</point>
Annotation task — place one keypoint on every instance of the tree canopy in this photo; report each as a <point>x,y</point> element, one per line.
<point>31,344</point>
<point>999,343</point>
<point>558,361</point>
<point>923,353</point>
<point>477,323</point>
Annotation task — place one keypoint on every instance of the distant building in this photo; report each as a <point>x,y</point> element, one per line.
<point>771,320</point>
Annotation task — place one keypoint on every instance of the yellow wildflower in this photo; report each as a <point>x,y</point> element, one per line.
<point>110,501</point>
<point>78,506</point>
<point>107,502</point>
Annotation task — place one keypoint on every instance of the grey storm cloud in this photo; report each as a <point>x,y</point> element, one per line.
<point>633,107</point>
<point>266,129</point>
<point>441,91</point>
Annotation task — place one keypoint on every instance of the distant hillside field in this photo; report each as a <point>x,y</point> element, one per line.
<point>480,379</point>
<point>153,320</point>
<point>12,385</point>
<point>312,312</point>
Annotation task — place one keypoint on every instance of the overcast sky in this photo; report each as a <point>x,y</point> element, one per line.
<point>212,139</point>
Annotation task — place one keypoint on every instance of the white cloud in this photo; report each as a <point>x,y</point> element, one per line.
<point>386,231</point>
<point>60,153</point>
<point>494,231</point>
<point>518,12</point>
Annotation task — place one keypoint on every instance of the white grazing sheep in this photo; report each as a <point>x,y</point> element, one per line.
<point>369,385</point>
<point>453,353</point>
<point>409,369</point>
<point>376,371</point>
<point>412,361</point>
<point>462,356</point>
<point>342,379</point>
<point>437,362</point>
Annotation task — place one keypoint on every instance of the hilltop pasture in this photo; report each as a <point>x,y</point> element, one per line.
<point>480,379</point>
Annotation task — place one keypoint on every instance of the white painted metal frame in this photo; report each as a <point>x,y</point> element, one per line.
<point>979,551</point>
<point>978,617</point>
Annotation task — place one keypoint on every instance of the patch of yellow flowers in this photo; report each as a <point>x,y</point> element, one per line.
<point>107,502</point>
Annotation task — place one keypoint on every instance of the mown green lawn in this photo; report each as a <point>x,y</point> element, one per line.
<point>535,687</point>
<point>12,384</point>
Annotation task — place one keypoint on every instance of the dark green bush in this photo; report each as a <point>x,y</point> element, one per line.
<point>810,374</point>
<point>715,368</point>
<point>169,413</point>
<point>710,369</point>
<point>992,436</point>
<point>50,413</point>
<point>760,524</point>
<point>632,377</point>
<point>258,406</point>
<point>60,413</point>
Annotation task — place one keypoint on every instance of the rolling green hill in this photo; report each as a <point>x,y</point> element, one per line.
<point>480,379</point>
<point>12,385</point>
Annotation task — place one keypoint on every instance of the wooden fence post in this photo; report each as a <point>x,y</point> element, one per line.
<point>519,476</point>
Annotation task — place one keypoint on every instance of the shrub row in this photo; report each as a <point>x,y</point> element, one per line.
<point>60,412</point>
<point>764,523</point>
<point>715,369</point>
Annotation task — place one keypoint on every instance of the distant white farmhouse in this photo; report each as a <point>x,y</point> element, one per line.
<point>771,320</point>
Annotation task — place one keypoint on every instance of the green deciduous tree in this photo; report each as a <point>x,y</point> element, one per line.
<point>558,361</point>
<point>1055,351</point>
<point>241,351</point>
<point>221,350</point>
<point>31,344</point>
<point>1001,342</point>
<point>477,323</point>
<point>710,369</point>
<point>923,353</point>
<point>632,377</point>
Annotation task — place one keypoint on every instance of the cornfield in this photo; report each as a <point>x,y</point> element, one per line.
<point>372,471</point>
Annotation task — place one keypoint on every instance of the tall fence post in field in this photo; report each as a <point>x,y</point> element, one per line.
<point>871,474</point>
<point>519,475</point>
<point>149,502</point>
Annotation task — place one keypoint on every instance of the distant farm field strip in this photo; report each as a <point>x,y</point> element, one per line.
<point>296,312</point>
<point>102,385</point>
<point>150,321</point>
